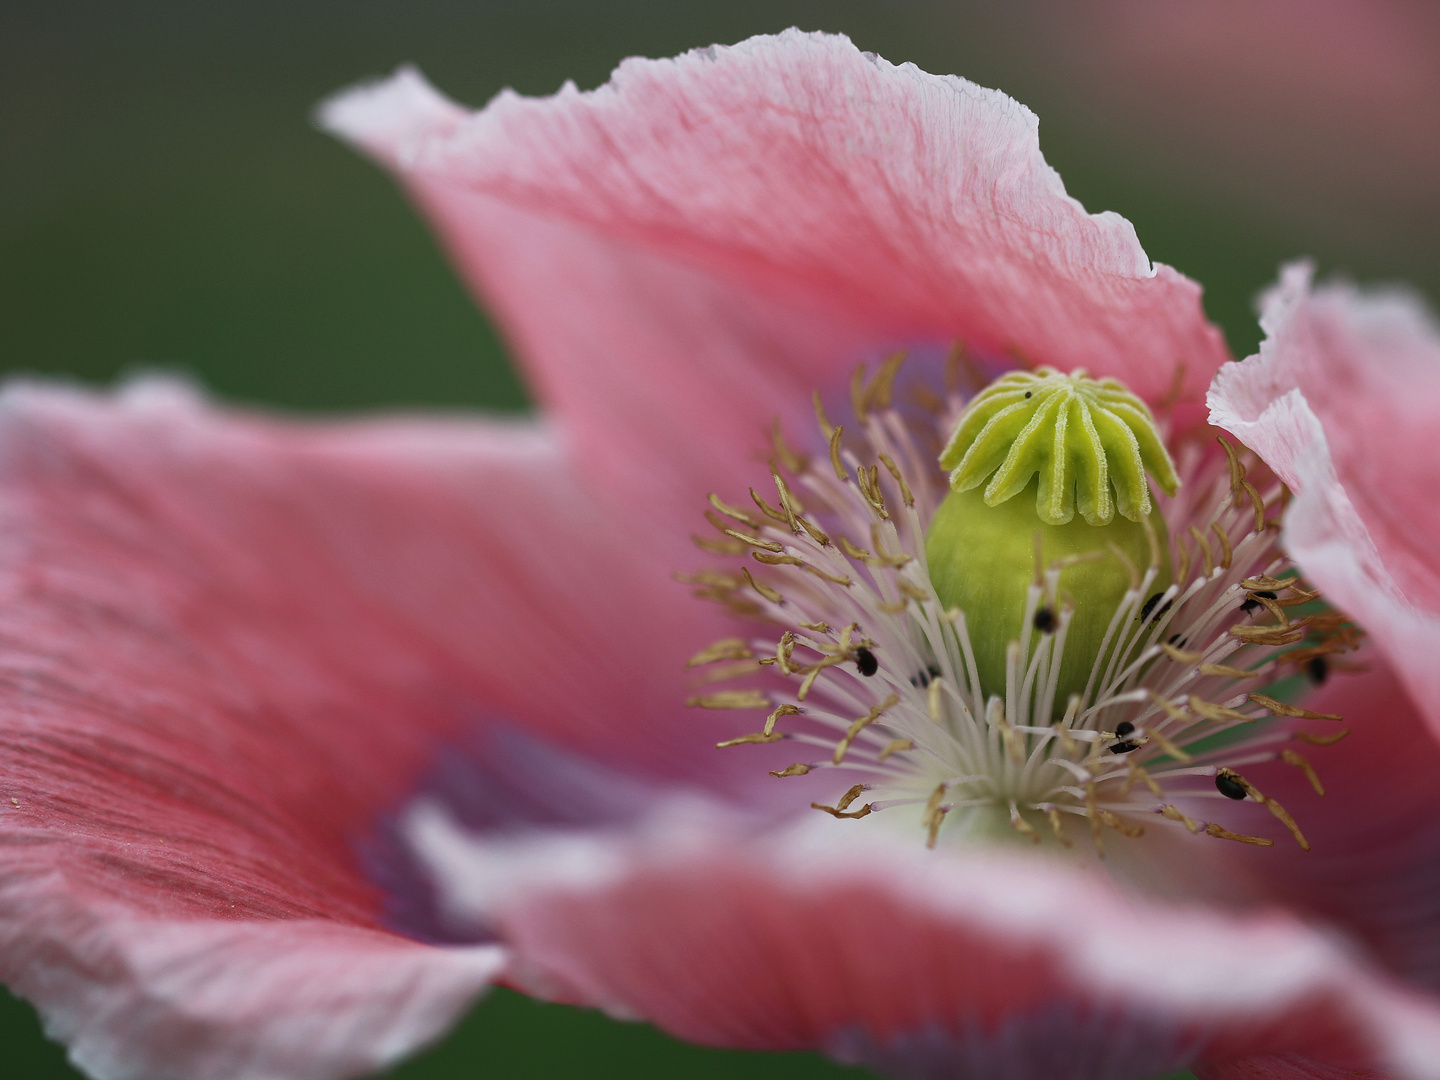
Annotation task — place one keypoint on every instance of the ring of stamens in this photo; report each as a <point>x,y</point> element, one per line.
<point>876,678</point>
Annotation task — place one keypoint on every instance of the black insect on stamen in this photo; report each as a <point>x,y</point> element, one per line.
<point>1227,782</point>
<point>865,662</point>
<point>1251,603</point>
<point>1150,606</point>
<point>1317,667</point>
<point>925,676</point>
<point>1045,621</point>
<point>1124,746</point>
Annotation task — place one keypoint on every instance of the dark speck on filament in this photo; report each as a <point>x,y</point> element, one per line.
<point>865,662</point>
<point>1317,668</point>
<point>924,677</point>
<point>1251,603</point>
<point>1150,606</point>
<point>1045,620</point>
<point>1229,785</point>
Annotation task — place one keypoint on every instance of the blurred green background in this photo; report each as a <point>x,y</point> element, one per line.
<point>164,202</point>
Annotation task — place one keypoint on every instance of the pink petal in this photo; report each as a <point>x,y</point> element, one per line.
<point>962,963</point>
<point>139,998</point>
<point>688,250</point>
<point>1374,863</point>
<point>1342,402</point>
<point>1285,1067</point>
<point>228,647</point>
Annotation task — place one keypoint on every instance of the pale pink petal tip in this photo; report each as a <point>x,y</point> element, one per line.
<point>697,244</point>
<point>387,115</point>
<point>211,999</point>
<point>1341,401</point>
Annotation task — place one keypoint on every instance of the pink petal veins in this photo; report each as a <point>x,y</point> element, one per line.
<point>1341,402</point>
<point>229,645</point>
<point>691,248</point>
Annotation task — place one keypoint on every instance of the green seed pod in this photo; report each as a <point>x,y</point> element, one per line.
<point>1049,444</point>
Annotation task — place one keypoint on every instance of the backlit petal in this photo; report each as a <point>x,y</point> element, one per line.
<point>690,249</point>
<point>1342,402</point>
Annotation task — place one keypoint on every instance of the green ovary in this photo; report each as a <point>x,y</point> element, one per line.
<point>1062,460</point>
<point>982,560</point>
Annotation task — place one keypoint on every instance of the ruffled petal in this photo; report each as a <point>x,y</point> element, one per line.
<point>687,251</point>
<point>1342,402</point>
<point>961,963</point>
<point>229,647</point>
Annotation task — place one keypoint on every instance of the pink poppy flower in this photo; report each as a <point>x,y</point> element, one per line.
<point>312,731</point>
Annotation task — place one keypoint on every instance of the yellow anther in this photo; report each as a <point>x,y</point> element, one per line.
<point>1020,825</point>
<point>783,710</point>
<point>835,460</point>
<point>894,470</point>
<point>1280,708</point>
<point>1174,814</point>
<point>730,699</point>
<point>896,746</point>
<point>1290,757</point>
<point>1210,711</point>
<point>1222,833</point>
<point>732,512</point>
<point>745,740</point>
<point>798,769</point>
<point>1321,740</point>
<point>725,649</point>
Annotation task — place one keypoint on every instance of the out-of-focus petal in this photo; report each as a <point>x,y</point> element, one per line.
<point>1374,863</point>
<point>907,958</point>
<point>1286,1067</point>
<point>228,647</point>
<point>695,245</point>
<point>1341,402</point>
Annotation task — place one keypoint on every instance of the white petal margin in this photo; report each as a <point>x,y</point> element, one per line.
<point>861,943</point>
<point>140,997</point>
<point>1343,401</point>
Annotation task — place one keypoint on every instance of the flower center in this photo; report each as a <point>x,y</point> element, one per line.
<point>979,661</point>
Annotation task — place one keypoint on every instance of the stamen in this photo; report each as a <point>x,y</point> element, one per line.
<point>1290,757</point>
<point>1321,740</point>
<point>744,740</point>
<point>730,699</point>
<point>1221,833</point>
<point>1280,708</point>
<point>1020,825</point>
<point>784,710</point>
<point>798,769</point>
<point>725,649</point>
<point>887,670</point>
